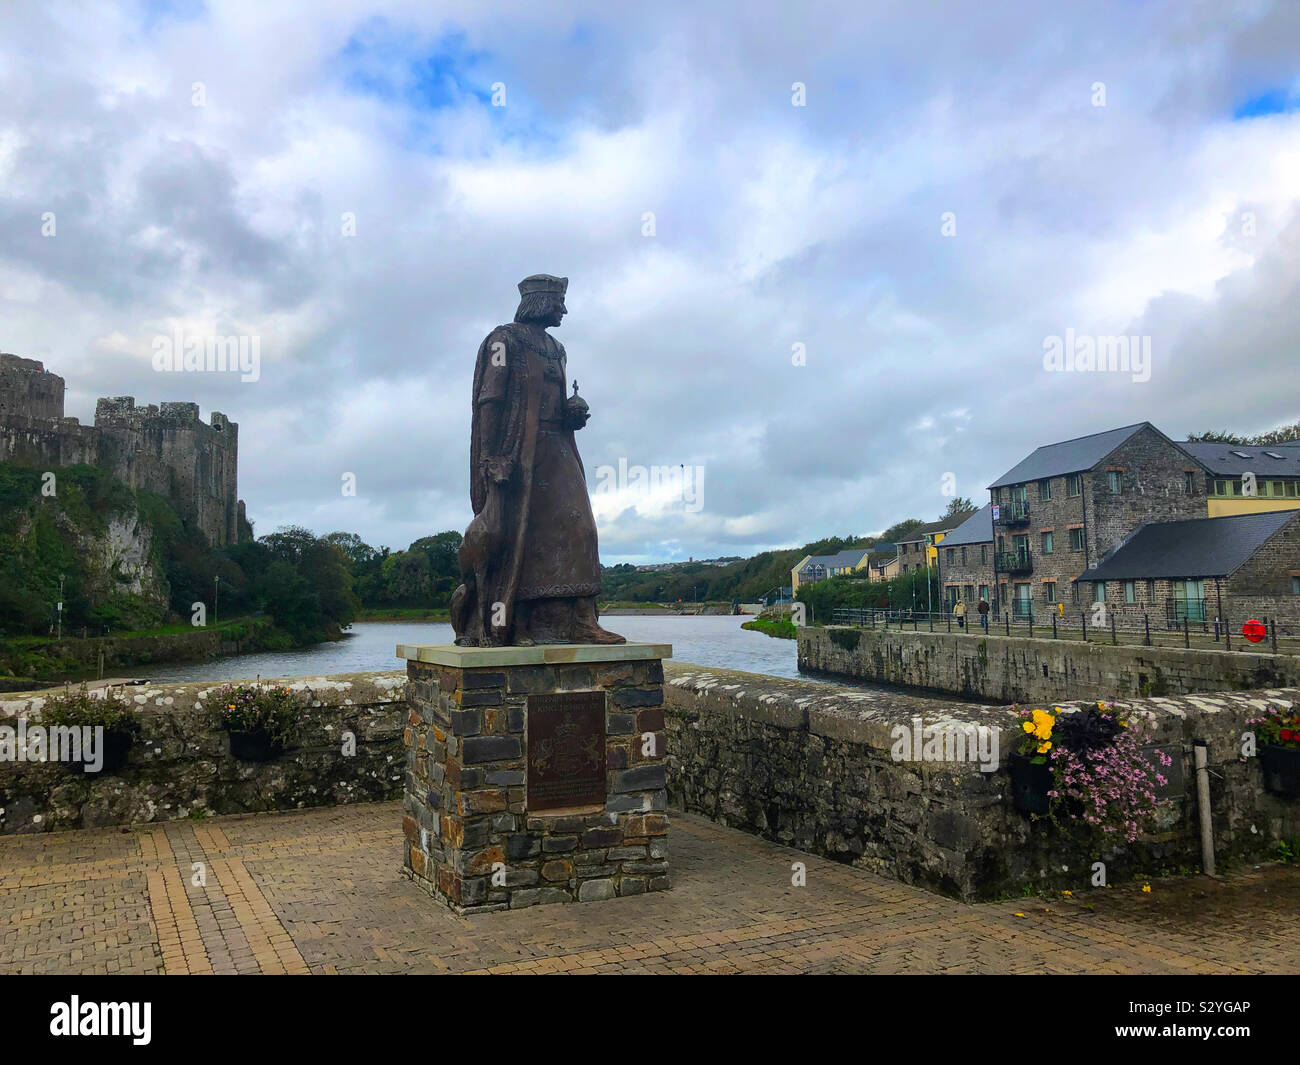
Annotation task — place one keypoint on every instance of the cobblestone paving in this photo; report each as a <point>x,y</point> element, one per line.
<point>320,891</point>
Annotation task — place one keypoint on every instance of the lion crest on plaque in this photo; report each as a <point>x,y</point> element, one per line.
<point>570,751</point>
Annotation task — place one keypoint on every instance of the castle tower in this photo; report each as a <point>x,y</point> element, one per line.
<point>28,391</point>
<point>166,450</point>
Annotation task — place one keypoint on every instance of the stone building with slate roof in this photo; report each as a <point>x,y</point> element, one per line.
<point>1066,506</point>
<point>1235,568</point>
<point>966,560</point>
<point>1274,471</point>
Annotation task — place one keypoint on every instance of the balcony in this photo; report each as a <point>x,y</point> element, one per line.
<point>1014,513</point>
<point>1013,561</point>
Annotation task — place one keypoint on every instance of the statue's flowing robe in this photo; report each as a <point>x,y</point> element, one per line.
<point>558,559</point>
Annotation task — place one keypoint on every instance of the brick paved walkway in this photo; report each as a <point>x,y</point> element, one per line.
<point>320,891</point>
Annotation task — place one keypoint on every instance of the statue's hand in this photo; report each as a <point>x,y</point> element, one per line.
<point>576,412</point>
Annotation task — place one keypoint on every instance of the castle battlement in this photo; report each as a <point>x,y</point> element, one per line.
<point>166,449</point>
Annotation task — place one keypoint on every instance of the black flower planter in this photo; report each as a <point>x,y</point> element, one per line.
<point>114,748</point>
<point>1281,767</point>
<point>117,745</point>
<point>1029,784</point>
<point>255,746</point>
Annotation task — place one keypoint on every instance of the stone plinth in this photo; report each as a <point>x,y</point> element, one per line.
<point>535,774</point>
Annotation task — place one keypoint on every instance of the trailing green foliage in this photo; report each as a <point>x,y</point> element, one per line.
<point>78,708</point>
<point>252,708</point>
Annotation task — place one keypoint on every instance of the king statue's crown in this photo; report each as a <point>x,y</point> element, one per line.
<point>543,283</point>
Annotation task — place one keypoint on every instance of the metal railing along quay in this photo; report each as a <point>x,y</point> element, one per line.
<point>1157,631</point>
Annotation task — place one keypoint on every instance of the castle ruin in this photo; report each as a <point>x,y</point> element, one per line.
<point>165,450</point>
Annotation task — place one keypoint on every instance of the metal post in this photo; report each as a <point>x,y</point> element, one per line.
<point>1272,628</point>
<point>1083,621</point>
<point>1227,634</point>
<point>950,621</point>
<point>1203,806</point>
<point>1053,626</point>
<point>1113,638</point>
<point>1146,627</point>
<point>1031,623</point>
<point>1007,615</point>
<point>1187,639</point>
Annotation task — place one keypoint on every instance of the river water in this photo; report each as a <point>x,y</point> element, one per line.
<point>717,641</point>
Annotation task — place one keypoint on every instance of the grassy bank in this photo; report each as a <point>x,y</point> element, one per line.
<point>401,613</point>
<point>48,659</point>
<point>784,630</point>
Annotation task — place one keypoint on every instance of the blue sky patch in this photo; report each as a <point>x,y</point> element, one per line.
<point>1273,102</point>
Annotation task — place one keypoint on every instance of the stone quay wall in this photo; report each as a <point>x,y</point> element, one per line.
<point>473,838</point>
<point>810,765</point>
<point>181,765</point>
<point>1017,669</point>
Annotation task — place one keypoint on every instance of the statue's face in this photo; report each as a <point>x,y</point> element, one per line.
<point>558,311</point>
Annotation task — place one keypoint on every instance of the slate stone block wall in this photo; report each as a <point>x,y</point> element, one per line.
<point>181,765</point>
<point>471,838</point>
<point>811,766</point>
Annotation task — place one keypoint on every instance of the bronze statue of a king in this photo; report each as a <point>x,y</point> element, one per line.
<point>529,566</point>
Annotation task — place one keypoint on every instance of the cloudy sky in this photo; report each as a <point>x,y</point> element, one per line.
<point>827,297</point>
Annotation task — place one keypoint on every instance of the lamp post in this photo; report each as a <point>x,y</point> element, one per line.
<point>60,606</point>
<point>216,589</point>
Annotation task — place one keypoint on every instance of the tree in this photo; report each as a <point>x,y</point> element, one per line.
<point>358,552</point>
<point>959,507</point>
<point>1283,435</point>
<point>896,532</point>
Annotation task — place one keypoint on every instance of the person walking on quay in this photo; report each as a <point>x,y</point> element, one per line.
<point>959,612</point>
<point>984,613</point>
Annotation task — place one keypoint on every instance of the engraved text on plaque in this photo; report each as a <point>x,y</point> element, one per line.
<point>566,750</point>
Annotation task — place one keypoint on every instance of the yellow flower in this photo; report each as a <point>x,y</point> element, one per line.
<point>1070,893</point>
<point>1045,746</point>
<point>1146,889</point>
<point>1028,726</point>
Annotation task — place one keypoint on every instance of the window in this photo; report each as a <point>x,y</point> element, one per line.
<point>1295,585</point>
<point>1044,490</point>
<point>1049,591</point>
<point>1047,543</point>
<point>984,554</point>
<point>984,590</point>
<point>1099,591</point>
<point>1113,481</point>
<point>904,567</point>
<point>1130,591</point>
<point>1074,484</point>
<point>963,556</point>
<point>952,555</point>
<point>1242,454</point>
<point>1076,539</point>
<point>1220,487</point>
<point>1189,483</point>
<point>970,592</point>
